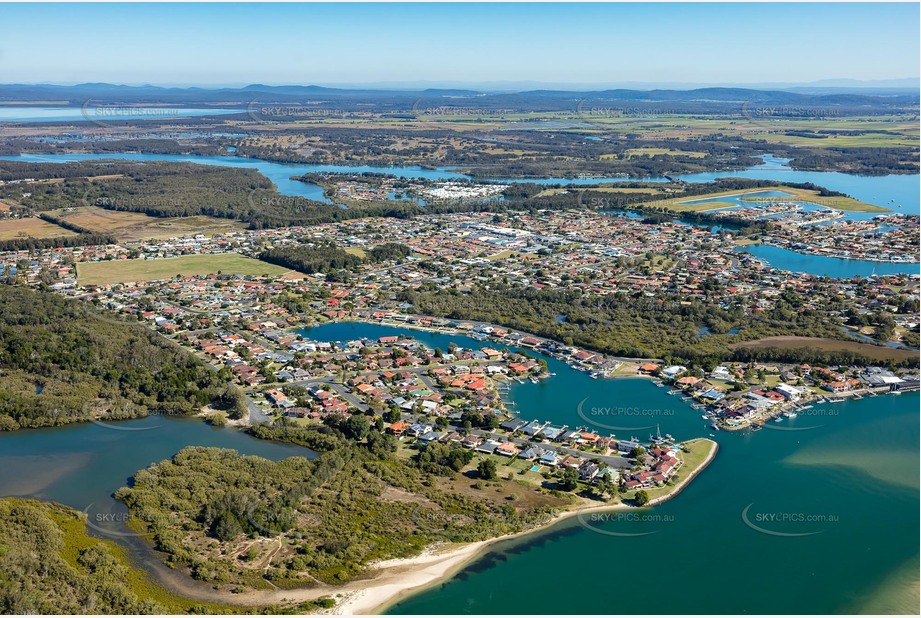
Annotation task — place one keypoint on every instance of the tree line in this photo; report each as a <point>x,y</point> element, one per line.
<point>63,361</point>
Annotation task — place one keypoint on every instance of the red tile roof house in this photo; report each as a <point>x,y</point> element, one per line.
<point>476,385</point>
<point>571,461</point>
<point>397,428</point>
<point>586,357</point>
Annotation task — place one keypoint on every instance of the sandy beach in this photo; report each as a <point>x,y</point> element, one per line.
<point>404,577</point>
<point>393,580</point>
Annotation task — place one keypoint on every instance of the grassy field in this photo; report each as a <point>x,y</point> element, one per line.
<point>357,251</point>
<point>603,189</point>
<point>698,450</point>
<point>627,190</point>
<point>639,152</point>
<point>874,132</point>
<point>880,353</point>
<point>11,229</point>
<point>128,226</point>
<point>679,204</point>
<point>502,255</point>
<point>104,273</point>
<point>871,131</point>
<point>838,203</point>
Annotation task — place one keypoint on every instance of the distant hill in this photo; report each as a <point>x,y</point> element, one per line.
<point>698,100</point>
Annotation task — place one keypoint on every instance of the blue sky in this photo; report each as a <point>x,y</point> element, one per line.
<point>235,44</point>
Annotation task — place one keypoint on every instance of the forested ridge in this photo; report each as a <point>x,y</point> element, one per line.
<point>63,361</point>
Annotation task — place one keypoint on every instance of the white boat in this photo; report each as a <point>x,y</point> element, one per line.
<point>705,417</point>
<point>778,420</point>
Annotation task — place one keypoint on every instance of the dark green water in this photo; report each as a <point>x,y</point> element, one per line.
<point>82,465</point>
<point>854,464</point>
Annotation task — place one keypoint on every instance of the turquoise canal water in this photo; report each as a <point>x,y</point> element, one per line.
<point>785,259</point>
<point>897,192</point>
<point>853,464</point>
<point>843,474</point>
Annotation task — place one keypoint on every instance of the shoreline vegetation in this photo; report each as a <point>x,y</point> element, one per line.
<point>369,601</point>
<point>391,581</point>
<point>89,574</point>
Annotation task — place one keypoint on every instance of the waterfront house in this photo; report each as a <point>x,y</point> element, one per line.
<point>551,433</point>
<point>513,425</point>
<point>788,392</point>
<point>532,428</point>
<point>674,371</point>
